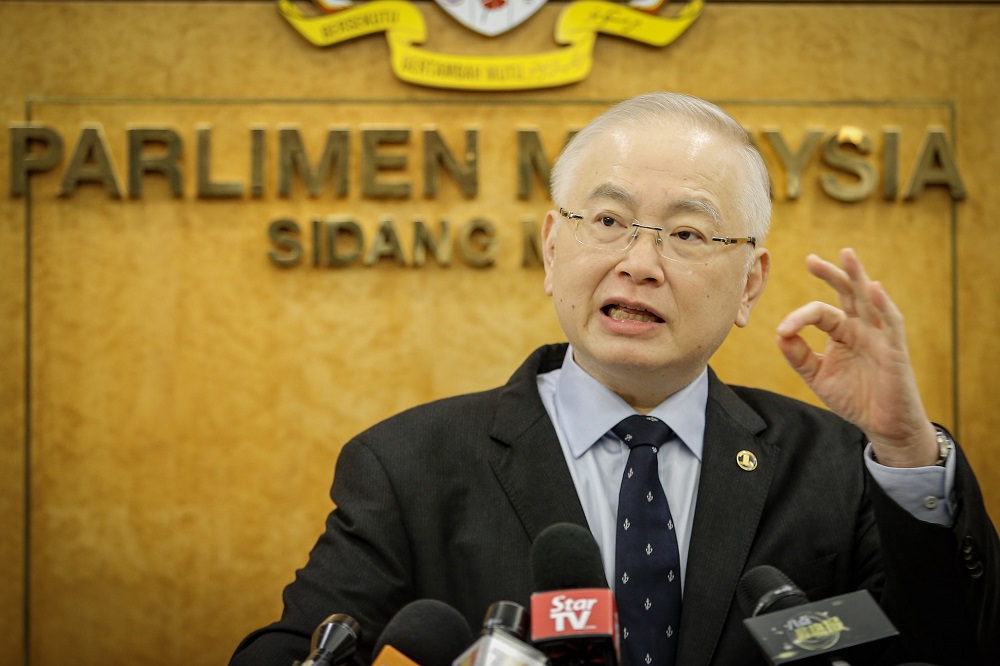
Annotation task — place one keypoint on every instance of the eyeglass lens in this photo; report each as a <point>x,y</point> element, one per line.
<point>608,230</point>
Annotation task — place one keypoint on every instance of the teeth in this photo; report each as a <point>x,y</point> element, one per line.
<point>619,313</point>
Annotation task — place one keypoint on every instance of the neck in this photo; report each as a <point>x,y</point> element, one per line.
<point>644,400</point>
<point>641,388</point>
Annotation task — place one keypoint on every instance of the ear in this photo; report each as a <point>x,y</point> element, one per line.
<point>550,227</point>
<point>754,287</point>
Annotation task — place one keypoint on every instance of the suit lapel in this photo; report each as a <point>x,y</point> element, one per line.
<point>529,464</point>
<point>729,506</point>
<point>528,460</point>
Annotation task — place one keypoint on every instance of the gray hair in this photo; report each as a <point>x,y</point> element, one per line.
<point>754,199</point>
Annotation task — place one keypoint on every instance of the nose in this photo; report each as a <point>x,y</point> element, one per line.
<point>642,261</point>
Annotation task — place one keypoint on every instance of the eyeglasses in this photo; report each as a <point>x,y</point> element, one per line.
<point>608,230</point>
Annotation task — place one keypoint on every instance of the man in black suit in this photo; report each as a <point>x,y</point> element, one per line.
<point>653,251</point>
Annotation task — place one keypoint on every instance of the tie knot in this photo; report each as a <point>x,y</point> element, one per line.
<point>639,430</point>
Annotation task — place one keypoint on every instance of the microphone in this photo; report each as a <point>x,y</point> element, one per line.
<point>509,617</point>
<point>334,641</point>
<point>505,629</point>
<point>425,632</point>
<point>574,620</point>
<point>788,627</point>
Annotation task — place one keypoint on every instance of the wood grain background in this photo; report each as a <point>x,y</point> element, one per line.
<point>173,402</point>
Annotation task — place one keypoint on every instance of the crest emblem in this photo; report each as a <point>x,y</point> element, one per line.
<point>578,24</point>
<point>746,460</point>
<point>491,17</point>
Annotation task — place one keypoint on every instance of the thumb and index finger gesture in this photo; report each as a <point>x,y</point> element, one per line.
<point>864,373</point>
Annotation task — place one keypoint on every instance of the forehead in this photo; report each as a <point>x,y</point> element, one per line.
<point>655,165</point>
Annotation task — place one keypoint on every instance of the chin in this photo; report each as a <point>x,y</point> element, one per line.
<point>631,358</point>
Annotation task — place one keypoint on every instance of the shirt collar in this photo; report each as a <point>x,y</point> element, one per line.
<point>587,409</point>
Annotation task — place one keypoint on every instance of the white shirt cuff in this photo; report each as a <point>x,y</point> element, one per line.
<point>922,491</point>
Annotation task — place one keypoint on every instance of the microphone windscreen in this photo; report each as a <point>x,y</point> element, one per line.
<point>764,589</point>
<point>565,556</point>
<point>428,631</point>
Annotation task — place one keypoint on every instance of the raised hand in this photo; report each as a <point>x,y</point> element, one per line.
<point>864,374</point>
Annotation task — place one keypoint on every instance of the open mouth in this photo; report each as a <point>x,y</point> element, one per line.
<point>629,313</point>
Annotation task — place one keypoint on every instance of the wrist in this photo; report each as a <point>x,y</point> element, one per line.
<point>931,448</point>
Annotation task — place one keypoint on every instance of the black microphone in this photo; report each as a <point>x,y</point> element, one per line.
<point>509,617</point>
<point>574,620</point>
<point>502,640</point>
<point>425,632</point>
<point>788,627</point>
<point>334,641</point>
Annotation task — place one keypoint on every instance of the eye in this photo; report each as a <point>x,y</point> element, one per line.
<point>606,220</point>
<point>688,235</point>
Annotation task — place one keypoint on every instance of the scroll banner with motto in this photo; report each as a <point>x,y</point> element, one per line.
<point>577,27</point>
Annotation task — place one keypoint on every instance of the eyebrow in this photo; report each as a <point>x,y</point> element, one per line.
<point>625,198</point>
<point>702,206</point>
<point>608,191</point>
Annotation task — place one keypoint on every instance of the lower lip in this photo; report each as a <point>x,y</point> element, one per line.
<point>628,325</point>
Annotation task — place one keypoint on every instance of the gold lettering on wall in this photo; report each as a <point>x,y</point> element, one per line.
<point>339,241</point>
<point>385,159</point>
<point>837,155</point>
<point>207,188</point>
<point>936,166</point>
<point>374,161</point>
<point>292,159</point>
<point>794,163</point>
<point>91,162</point>
<point>164,161</point>
<point>26,158</point>
<point>437,155</point>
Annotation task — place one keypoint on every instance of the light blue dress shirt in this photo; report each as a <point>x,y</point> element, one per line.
<point>583,412</point>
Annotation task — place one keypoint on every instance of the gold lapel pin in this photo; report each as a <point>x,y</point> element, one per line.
<point>746,460</point>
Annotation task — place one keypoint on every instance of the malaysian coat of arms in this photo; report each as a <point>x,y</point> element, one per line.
<point>578,25</point>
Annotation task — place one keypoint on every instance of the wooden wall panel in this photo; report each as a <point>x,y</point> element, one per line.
<point>188,397</point>
<point>12,433</point>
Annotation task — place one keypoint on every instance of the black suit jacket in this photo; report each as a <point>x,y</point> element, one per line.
<point>443,501</point>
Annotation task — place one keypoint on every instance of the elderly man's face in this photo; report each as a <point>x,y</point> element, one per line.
<point>634,314</point>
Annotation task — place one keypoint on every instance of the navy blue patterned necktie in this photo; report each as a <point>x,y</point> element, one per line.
<point>647,561</point>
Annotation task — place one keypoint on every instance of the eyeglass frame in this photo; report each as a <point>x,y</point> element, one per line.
<point>725,240</point>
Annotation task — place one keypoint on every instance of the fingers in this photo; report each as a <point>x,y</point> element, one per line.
<point>890,315</point>
<point>823,316</point>
<point>859,297</point>
<point>851,283</point>
<point>799,356</point>
<point>861,286</point>
<point>797,352</point>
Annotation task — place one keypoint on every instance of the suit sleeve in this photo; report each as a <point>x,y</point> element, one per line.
<point>359,566</point>
<point>941,584</point>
